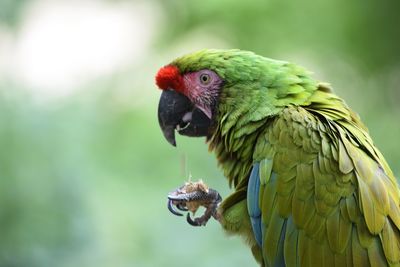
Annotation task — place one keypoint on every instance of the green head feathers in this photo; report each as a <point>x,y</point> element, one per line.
<point>254,86</point>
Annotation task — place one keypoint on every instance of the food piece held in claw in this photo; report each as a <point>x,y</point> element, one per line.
<point>190,197</point>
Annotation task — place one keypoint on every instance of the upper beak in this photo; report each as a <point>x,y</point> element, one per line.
<point>171,108</point>
<point>176,112</point>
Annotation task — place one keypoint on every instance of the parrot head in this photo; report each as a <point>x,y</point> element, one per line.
<point>189,98</point>
<point>202,88</point>
<point>188,101</point>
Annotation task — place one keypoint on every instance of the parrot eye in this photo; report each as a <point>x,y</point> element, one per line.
<point>205,79</point>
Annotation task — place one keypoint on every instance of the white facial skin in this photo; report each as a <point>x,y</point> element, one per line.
<point>203,88</point>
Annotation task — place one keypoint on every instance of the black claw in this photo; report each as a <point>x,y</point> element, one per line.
<point>171,208</point>
<point>181,207</point>
<point>181,197</point>
<point>191,222</point>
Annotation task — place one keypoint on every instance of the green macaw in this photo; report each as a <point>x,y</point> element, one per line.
<point>310,187</point>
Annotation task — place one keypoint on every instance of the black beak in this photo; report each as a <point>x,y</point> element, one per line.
<point>176,112</point>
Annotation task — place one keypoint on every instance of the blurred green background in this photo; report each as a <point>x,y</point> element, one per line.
<point>84,169</point>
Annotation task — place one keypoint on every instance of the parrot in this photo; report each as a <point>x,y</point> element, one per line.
<point>309,187</point>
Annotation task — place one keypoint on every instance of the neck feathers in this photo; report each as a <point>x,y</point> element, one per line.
<point>245,110</point>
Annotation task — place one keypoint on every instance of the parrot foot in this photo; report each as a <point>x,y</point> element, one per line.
<point>190,197</point>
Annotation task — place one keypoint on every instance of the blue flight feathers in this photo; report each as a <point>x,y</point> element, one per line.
<point>253,206</point>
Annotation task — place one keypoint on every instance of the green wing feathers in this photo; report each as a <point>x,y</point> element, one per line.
<point>335,201</point>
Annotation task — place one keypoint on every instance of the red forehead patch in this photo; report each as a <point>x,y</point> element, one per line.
<point>168,77</point>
